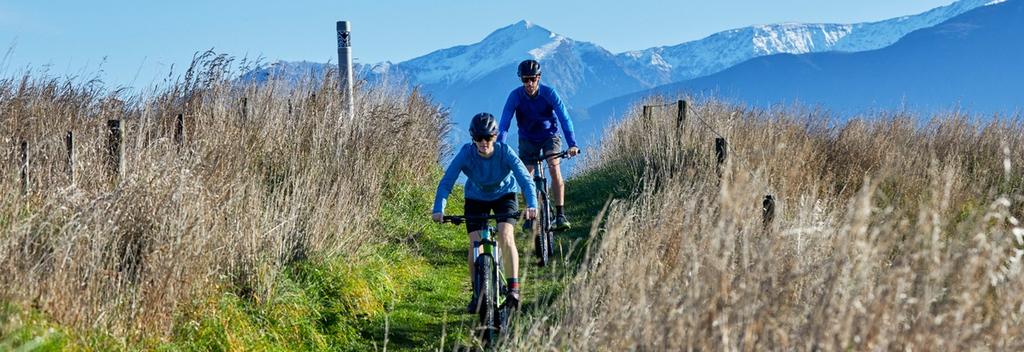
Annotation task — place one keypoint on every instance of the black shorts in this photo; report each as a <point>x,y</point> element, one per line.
<point>506,204</point>
<point>529,150</point>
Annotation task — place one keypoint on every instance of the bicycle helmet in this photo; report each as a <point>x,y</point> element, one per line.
<point>529,68</point>
<point>483,125</point>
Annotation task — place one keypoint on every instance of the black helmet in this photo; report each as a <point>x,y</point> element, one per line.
<point>529,68</point>
<point>483,125</point>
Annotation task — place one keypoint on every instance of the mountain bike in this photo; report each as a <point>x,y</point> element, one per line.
<point>544,232</point>
<point>489,281</point>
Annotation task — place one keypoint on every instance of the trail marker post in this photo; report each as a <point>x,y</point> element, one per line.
<point>345,68</point>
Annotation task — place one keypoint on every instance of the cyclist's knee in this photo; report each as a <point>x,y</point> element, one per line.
<point>555,171</point>
<point>506,233</point>
<point>505,229</point>
<point>553,163</point>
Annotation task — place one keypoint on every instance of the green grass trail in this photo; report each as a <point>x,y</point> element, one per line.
<point>432,311</point>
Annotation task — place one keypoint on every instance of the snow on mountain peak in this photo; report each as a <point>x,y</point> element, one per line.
<point>524,39</point>
<point>517,31</point>
<point>507,45</point>
<point>797,38</point>
<point>544,50</point>
<point>724,49</point>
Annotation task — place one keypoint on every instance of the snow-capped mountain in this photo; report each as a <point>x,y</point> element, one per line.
<point>722,50</point>
<point>466,63</point>
<point>571,65</point>
<point>489,66</point>
<point>971,61</point>
<point>478,77</point>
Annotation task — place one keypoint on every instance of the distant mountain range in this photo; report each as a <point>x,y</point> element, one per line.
<point>974,61</point>
<point>477,77</point>
<point>724,49</point>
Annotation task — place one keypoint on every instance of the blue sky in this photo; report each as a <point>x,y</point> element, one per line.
<point>135,43</point>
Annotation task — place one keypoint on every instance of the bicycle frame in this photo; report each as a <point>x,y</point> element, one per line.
<point>543,240</point>
<point>487,246</point>
<point>541,184</point>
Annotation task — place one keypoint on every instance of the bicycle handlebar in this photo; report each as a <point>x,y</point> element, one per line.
<point>459,219</point>
<point>562,154</point>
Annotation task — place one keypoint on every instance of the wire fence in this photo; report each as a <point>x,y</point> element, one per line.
<point>684,110</point>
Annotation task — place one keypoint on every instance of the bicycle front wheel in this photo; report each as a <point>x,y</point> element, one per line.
<point>488,305</point>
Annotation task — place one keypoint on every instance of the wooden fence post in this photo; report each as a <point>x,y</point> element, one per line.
<point>767,211</point>
<point>179,130</point>
<point>245,108</point>
<point>115,147</point>
<point>721,152</point>
<point>680,113</point>
<point>69,143</point>
<point>24,167</point>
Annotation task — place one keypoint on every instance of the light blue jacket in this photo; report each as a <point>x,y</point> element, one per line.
<point>487,179</point>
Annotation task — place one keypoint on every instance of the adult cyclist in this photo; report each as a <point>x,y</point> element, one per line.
<point>535,107</point>
<point>492,170</point>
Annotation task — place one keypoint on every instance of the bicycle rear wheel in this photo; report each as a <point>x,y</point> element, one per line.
<point>550,246</point>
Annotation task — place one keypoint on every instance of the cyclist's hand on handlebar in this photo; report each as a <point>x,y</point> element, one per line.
<point>531,213</point>
<point>573,151</point>
<point>438,217</point>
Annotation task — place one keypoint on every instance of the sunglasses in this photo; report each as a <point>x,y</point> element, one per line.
<point>483,138</point>
<point>530,79</point>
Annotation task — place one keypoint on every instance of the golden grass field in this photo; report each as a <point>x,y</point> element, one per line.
<point>891,232</point>
<point>247,192</point>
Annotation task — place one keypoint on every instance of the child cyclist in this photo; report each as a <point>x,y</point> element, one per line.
<point>492,170</point>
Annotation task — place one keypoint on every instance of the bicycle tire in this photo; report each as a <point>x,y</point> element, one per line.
<point>488,307</point>
<point>501,320</point>
<point>536,228</point>
<point>550,237</point>
<point>541,241</point>
<point>535,231</point>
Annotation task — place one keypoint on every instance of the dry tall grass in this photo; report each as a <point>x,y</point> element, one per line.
<point>888,235</point>
<point>248,191</point>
